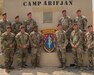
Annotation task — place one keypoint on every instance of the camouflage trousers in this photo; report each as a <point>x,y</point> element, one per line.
<point>77,56</point>
<point>35,57</point>
<point>8,57</point>
<point>61,55</point>
<point>90,56</point>
<point>22,57</point>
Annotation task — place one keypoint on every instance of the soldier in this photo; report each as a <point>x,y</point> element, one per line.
<point>36,44</point>
<point>61,42</point>
<point>90,45</point>
<point>22,39</point>
<point>29,23</point>
<point>77,48</point>
<point>4,22</point>
<point>66,22</point>
<point>16,25</point>
<point>82,22</point>
<point>8,45</point>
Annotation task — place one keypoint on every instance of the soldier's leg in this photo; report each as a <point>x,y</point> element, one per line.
<point>63,58</point>
<point>38,58</point>
<point>25,57</point>
<point>33,57</point>
<point>11,58</point>
<point>90,57</point>
<point>74,52</point>
<point>59,53</point>
<point>6,57</point>
<point>20,58</point>
<point>79,57</point>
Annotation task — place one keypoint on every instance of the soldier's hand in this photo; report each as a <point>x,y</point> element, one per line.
<point>10,45</point>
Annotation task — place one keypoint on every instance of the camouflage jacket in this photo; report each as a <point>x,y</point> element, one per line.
<point>76,38</point>
<point>66,22</point>
<point>6,40</point>
<point>81,21</point>
<point>36,39</point>
<point>22,39</point>
<point>3,25</point>
<point>90,40</point>
<point>60,38</point>
<point>16,27</point>
<point>29,25</point>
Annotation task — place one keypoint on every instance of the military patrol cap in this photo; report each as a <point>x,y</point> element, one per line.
<point>4,14</point>
<point>29,13</point>
<point>78,11</point>
<point>16,17</point>
<point>22,26</point>
<point>59,24</point>
<point>63,11</point>
<point>89,26</point>
<point>8,27</point>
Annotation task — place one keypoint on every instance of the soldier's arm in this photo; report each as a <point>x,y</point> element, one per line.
<point>27,43</point>
<point>80,40</point>
<point>71,38</point>
<point>84,22</point>
<point>66,40</point>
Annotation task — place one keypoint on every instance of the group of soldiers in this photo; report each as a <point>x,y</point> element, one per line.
<point>23,37</point>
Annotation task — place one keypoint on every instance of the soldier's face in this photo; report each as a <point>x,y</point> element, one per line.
<point>29,16</point>
<point>9,30</point>
<point>4,17</point>
<point>59,27</point>
<point>90,29</point>
<point>17,19</point>
<point>78,13</point>
<point>64,13</point>
<point>22,29</point>
<point>75,27</point>
<point>36,29</point>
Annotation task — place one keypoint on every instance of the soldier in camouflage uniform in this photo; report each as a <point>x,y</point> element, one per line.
<point>4,22</point>
<point>66,22</point>
<point>16,25</point>
<point>76,43</point>
<point>29,23</point>
<point>61,42</point>
<point>22,39</point>
<point>82,22</point>
<point>8,45</point>
<point>36,39</point>
<point>90,45</point>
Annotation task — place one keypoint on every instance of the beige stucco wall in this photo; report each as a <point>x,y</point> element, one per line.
<point>15,7</point>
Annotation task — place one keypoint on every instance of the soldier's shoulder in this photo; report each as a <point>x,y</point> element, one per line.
<point>68,17</point>
<point>3,34</point>
<point>32,33</point>
<point>26,33</point>
<point>56,32</point>
<point>1,20</point>
<point>12,34</point>
<point>18,34</point>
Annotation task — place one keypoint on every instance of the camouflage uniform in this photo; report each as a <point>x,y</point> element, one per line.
<point>36,44</point>
<point>22,39</point>
<point>3,25</point>
<point>61,42</point>
<point>15,27</point>
<point>76,39</point>
<point>6,40</point>
<point>67,26</point>
<point>29,25</point>
<point>81,21</point>
<point>90,46</point>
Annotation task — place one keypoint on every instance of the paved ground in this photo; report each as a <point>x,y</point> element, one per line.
<point>48,71</point>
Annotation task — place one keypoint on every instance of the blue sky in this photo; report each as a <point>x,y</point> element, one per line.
<point>93,4</point>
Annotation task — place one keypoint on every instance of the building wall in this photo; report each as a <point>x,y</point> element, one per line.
<point>16,7</point>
